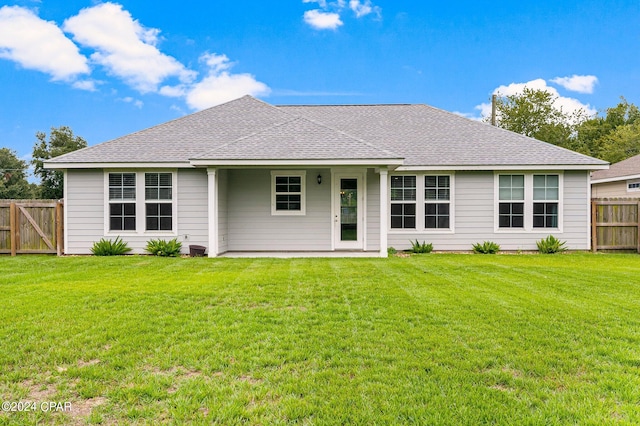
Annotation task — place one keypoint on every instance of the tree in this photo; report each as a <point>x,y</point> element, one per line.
<point>600,136</point>
<point>13,172</point>
<point>534,113</point>
<point>61,141</point>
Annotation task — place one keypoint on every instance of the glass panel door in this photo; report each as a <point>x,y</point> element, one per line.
<point>348,209</point>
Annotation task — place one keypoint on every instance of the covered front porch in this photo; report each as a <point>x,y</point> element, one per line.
<point>297,211</point>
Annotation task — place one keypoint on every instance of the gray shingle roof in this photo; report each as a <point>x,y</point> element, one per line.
<point>628,167</point>
<point>248,128</point>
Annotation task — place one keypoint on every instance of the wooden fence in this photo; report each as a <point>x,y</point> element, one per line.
<point>31,226</point>
<point>615,224</point>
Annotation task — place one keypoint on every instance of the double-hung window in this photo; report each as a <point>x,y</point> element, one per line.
<point>122,201</point>
<point>546,195</point>
<point>403,202</point>
<point>437,199</point>
<point>158,194</point>
<point>288,193</point>
<point>511,201</point>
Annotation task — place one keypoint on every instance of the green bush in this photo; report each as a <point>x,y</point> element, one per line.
<point>110,248</point>
<point>416,247</point>
<point>164,248</point>
<point>487,247</point>
<point>391,251</point>
<point>551,245</point>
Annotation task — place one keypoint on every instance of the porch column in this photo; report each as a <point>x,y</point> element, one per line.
<point>213,212</point>
<point>384,211</point>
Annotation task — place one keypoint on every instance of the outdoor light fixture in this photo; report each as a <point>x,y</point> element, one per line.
<point>319,179</point>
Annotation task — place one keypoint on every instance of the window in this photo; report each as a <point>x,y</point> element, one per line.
<point>159,212</point>
<point>545,201</point>
<point>287,194</point>
<point>528,201</point>
<point>403,202</point>
<point>122,201</point>
<point>511,205</point>
<point>633,186</point>
<point>140,202</point>
<point>437,193</point>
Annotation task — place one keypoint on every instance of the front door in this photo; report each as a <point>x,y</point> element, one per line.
<point>348,212</point>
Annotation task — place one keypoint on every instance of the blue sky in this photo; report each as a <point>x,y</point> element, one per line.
<point>107,69</point>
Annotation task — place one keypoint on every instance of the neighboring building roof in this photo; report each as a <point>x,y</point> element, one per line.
<point>625,169</point>
<point>250,129</point>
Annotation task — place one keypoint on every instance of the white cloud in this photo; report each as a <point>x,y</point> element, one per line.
<point>568,105</point>
<point>39,45</point>
<point>363,9</point>
<point>126,48</point>
<point>220,85</point>
<point>577,83</point>
<point>88,85</point>
<point>322,20</point>
<point>135,102</point>
<point>328,17</point>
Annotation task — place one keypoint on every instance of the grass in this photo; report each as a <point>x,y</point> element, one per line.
<point>444,339</point>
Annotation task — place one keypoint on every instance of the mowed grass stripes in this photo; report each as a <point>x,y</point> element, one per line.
<point>431,339</point>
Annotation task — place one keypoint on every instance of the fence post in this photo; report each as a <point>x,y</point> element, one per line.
<point>59,231</point>
<point>638,233</point>
<point>594,226</point>
<point>12,225</point>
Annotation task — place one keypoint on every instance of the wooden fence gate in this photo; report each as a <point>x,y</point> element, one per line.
<point>615,224</point>
<point>31,226</point>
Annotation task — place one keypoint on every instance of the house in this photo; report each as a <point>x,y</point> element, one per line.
<point>247,176</point>
<point>622,180</point>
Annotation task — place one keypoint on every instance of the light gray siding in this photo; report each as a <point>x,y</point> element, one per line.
<point>192,220</point>
<point>373,211</point>
<point>252,227</point>
<point>84,210</point>
<point>474,207</point>
<point>223,211</point>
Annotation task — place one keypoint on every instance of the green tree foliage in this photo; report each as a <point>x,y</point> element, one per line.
<point>13,173</point>
<point>611,137</point>
<point>533,113</point>
<point>61,141</point>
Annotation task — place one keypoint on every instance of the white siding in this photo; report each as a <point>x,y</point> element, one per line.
<point>475,217</point>
<point>252,227</point>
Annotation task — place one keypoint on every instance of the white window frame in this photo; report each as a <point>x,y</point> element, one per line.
<point>302,174</point>
<point>140,202</point>
<point>545,201</point>
<point>528,202</point>
<point>404,202</point>
<point>420,204</point>
<point>636,185</point>
<point>110,201</point>
<point>436,200</point>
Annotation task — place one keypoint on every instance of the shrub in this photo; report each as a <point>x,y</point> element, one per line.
<point>110,248</point>
<point>416,247</point>
<point>391,251</point>
<point>487,247</point>
<point>551,245</point>
<point>164,248</point>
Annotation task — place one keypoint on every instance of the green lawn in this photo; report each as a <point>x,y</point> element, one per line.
<point>431,339</point>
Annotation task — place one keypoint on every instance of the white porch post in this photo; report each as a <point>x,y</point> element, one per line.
<point>384,211</point>
<point>213,212</point>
